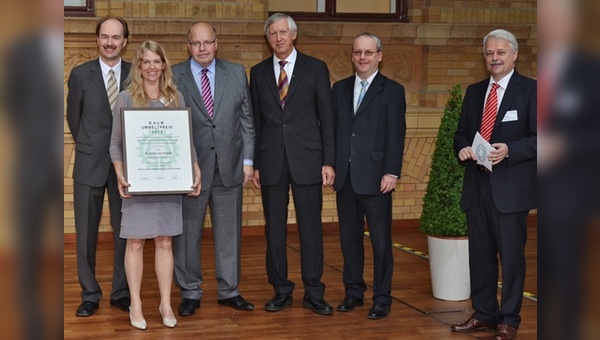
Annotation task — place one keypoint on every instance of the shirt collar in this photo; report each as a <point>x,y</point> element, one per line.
<point>197,68</point>
<point>503,83</point>
<point>291,59</point>
<point>105,68</point>
<point>357,79</point>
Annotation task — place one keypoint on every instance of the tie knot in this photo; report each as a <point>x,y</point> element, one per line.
<point>204,71</point>
<point>495,86</point>
<point>111,72</point>
<point>282,63</point>
<point>364,83</point>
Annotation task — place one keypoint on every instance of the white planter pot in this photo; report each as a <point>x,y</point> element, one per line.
<point>449,266</point>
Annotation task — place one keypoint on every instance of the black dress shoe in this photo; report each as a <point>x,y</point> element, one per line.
<point>122,303</point>
<point>378,311</point>
<point>318,306</point>
<point>278,302</point>
<point>188,307</point>
<point>237,302</point>
<point>87,308</point>
<point>350,302</point>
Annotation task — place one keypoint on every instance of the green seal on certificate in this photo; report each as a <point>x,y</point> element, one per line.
<point>158,151</point>
<point>480,152</point>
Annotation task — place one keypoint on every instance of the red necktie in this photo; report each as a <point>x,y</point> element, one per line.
<point>489,113</point>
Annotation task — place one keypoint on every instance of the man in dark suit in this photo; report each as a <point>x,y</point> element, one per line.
<point>498,203</point>
<point>291,100</point>
<point>223,129</point>
<point>89,115</point>
<point>370,126</point>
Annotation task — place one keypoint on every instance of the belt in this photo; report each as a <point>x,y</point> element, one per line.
<point>483,169</point>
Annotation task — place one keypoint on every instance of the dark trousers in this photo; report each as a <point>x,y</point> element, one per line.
<point>377,209</point>
<point>88,203</point>
<point>491,233</point>
<point>308,202</point>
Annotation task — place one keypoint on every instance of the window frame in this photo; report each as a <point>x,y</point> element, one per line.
<point>80,11</point>
<point>330,14</point>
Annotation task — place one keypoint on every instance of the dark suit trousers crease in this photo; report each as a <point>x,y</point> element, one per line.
<point>378,211</point>
<point>490,233</point>
<point>88,201</point>
<point>308,202</point>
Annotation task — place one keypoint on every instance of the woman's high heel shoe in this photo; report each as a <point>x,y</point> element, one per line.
<point>137,324</point>
<point>167,322</point>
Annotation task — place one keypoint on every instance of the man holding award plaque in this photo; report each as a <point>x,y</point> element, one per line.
<point>496,140</point>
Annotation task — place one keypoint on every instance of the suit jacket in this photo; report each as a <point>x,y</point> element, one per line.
<point>90,120</point>
<point>371,142</point>
<point>513,180</point>
<point>230,134</point>
<point>303,131</point>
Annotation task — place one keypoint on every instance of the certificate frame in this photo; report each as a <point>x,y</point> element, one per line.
<point>157,150</point>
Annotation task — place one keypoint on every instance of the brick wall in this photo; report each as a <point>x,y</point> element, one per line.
<point>441,46</point>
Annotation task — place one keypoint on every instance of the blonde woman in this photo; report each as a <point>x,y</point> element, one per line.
<point>157,217</point>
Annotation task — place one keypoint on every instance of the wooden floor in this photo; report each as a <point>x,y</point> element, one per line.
<point>415,314</point>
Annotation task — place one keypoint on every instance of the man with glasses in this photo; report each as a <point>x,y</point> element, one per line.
<point>223,132</point>
<point>370,127</point>
<point>291,98</point>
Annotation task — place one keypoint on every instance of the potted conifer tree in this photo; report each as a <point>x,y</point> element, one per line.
<point>442,218</point>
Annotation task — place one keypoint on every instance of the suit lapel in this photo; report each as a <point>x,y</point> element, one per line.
<point>347,97</point>
<point>512,91</point>
<point>269,74</point>
<point>374,89</point>
<point>297,76</point>
<point>98,81</point>
<point>188,81</point>
<point>125,69</point>
<point>480,102</point>
<point>220,81</point>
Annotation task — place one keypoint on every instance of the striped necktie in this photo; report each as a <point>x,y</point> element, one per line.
<point>282,84</point>
<point>112,90</point>
<point>206,94</point>
<point>489,113</point>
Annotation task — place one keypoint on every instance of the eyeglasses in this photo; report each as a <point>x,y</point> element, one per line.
<point>366,53</point>
<point>197,44</point>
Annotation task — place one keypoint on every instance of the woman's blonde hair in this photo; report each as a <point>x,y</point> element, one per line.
<point>135,83</point>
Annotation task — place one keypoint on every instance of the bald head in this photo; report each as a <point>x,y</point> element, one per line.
<point>201,28</point>
<point>202,43</point>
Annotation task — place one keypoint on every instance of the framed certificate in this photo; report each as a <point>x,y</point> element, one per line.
<point>157,150</point>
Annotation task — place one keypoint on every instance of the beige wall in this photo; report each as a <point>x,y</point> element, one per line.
<point>440,47</point>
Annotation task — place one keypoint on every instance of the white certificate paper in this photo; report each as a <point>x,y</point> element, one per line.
<point>482,148</point>
<point>157,150</point>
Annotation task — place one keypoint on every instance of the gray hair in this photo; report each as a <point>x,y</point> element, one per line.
<point>278,16</point>
<point>502,35</point>
<point>372,36</point>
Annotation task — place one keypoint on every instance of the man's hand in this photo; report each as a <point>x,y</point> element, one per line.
<point>197,186</point>
<point>256,179</point>
<point>467,153</point>
<point>328,175</point>
<point>388,183</point>
<point>496,156</point>
<point>248,173</point>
